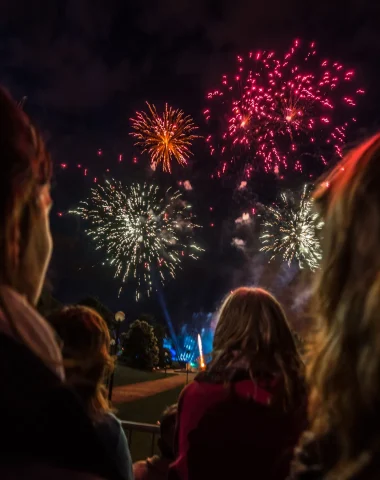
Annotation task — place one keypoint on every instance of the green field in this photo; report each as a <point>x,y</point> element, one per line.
<point>127,376</point>
<point>146,410</point>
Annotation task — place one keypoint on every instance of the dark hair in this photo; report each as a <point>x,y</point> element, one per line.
<point>25,167</point>
<point>253,327</point>
<point>344,365</point>
<point>167,431</point>
<point>86,344</point>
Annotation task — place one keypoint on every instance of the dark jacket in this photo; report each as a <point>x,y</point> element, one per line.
<point>234,432</point>
<point>42,420</point>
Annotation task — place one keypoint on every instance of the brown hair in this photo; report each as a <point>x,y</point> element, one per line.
<point>344,364</point>
<point>25,166</point>
<point>86,344</point>
<point>167,424</point>
<point>252,327</point>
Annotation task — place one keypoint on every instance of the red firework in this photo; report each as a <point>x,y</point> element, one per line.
<point>276,112</point>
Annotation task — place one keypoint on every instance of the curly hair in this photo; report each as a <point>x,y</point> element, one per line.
<point>86,345</point>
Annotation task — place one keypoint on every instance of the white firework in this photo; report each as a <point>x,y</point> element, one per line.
<point>291,230</point>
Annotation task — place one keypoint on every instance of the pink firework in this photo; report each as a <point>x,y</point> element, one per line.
<point>276,113</point>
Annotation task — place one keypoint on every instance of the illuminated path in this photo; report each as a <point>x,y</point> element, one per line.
<point>129,393</point>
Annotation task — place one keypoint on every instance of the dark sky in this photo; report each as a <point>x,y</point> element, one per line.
<point>87,65</point>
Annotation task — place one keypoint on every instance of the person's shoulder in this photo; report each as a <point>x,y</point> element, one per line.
<point>198,393</point>
<point>190,387</point>
<point>109,426</point>
<point>13,358</point>
<point>193,389</point>
<point>111,419</point>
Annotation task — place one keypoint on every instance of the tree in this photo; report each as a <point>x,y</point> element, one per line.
<point>160,333</point>
<point>140,349</point>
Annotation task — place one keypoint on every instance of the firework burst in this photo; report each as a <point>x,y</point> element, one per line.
<point>276,113</point>
<point>143,235</point>
<point>290,230</point>
<point>164,137</point>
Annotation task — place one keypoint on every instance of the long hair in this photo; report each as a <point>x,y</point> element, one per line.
<point>25,167</point>
<point>253,328</point>
<point>344,365</point>
<point>86,344</point>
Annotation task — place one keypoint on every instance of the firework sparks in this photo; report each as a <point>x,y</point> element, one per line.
<point>164,137</point>
<point>276,112</point>
<point>291,230</point>
<point>244,219</point>
<point>238,243</point>
<point>144,236</point>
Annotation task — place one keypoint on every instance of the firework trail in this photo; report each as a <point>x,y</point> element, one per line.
<point>290,230</point>
<point>143,235</point>
<point>277,113</point>
<point>164,137</point>
<point>201,358</point>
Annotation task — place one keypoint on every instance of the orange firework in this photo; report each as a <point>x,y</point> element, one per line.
<point>202,364</point>
<point>164,137</point>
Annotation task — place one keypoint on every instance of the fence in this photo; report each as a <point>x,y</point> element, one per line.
<point>147,428</point>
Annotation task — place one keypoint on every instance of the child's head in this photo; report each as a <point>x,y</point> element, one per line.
<point>252,326</point>
<point>86,344</point>
<point>167,431</point>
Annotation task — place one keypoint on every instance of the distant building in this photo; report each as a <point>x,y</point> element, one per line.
<point>188,339</point>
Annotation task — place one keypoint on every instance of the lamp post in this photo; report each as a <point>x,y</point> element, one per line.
<point>119,317</point>
<point>165,360</point>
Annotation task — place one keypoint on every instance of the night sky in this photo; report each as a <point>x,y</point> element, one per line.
<point>85,66</point>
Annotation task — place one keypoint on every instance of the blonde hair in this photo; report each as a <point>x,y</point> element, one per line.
<point>86,344</point>
<point>253,327</point>
<point>344,365</point>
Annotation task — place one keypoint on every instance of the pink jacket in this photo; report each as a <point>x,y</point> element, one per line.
<point>224,435</point>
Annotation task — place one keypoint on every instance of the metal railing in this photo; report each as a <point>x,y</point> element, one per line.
<point>149,428</point>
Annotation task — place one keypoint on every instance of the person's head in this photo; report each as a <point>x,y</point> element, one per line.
<point>167,431</point>
<point>25,240</point>
<point>86,344</point>
<point>252,327</point>
<point>344,365</point>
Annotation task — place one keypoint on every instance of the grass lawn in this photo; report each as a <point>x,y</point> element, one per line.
<point>126,376</point>
<point>146,410</point>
